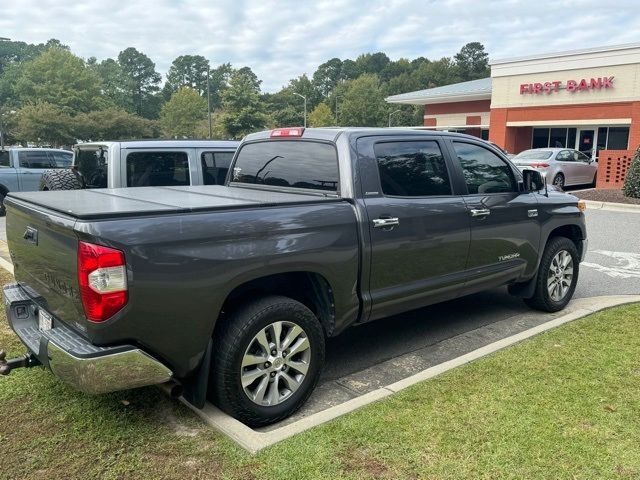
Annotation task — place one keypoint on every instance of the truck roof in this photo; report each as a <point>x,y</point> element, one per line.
<point>182,143</point>
<point>332,133</point>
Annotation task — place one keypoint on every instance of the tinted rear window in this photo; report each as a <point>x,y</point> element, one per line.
<point>284,163</point>
<point>534,155</point>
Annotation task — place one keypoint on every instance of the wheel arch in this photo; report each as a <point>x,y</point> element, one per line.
<point>310,288</point>
<point>572,232</point>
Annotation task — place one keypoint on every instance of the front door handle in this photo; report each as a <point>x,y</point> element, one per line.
<point>480,212</point>
<point>386,222</point>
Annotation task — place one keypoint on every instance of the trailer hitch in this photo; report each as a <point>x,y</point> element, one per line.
<point>27,360</point>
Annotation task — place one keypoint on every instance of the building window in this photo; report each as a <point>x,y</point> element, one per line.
<point>554,138</point>
<point>540,138</point>
<point>618,138</point>
<point>484,134</point>
<point>558,138</point>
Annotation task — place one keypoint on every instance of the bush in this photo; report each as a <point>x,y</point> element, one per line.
<point>631,186</point>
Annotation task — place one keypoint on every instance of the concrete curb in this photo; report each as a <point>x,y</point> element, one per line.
<point>611,206</point>
<point>254,440</point>
<point>6,265</point>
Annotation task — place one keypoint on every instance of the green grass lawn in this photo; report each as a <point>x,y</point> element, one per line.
<point>565,404</point>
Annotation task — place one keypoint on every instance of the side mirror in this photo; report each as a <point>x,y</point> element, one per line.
<point>533,180</point>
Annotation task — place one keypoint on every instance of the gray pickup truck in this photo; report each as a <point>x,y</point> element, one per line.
<point>22,168</point>
<point>228,292</point>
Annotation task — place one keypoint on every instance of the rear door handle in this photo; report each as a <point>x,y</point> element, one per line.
<point>480,212</point>
<point>386,222</point>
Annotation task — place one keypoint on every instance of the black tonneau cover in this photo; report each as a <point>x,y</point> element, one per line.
<point>134,201</point>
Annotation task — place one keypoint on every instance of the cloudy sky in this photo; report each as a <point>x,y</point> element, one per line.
<point>282,39</point>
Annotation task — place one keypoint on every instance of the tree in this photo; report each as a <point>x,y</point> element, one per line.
<point>372,63</point>
<point>187,71</point>
<point>242,112</point>
<point>327,76</point>
<point>436,73</point>
<point>144,80</point>
<point>219,79</point>
<point>363,103</point>
<point>112,124</point>
<point>60,78</point>
<point>116,85</point>
<point>321,116</point>
<point>472,61</point>
<point>631,186</point>
<point>44,122</point>
<point>182,114</point>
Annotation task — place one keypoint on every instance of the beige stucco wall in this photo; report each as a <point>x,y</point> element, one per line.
<point>458,119</point>
<point>626,87</point>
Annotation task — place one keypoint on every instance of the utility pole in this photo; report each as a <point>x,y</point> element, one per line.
<point>305,107</point>
<point>209,100</point>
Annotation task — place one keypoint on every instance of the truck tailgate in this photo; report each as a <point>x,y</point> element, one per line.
<point>43,249</point>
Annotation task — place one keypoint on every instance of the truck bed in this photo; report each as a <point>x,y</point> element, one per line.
<point>135,201</point>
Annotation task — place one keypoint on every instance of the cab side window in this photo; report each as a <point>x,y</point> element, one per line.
<point>564,156</point>
<point>412,169</point>
<point>4,159</point>
<point>35,159</point>
<point>484,171</point>
<point>157,169</point>
<point>215,166</point>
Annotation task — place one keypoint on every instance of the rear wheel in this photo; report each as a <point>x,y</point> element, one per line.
<point>267,360</point>
<point>558,181</point>
<point>62,179</point>
<point>557,276</point>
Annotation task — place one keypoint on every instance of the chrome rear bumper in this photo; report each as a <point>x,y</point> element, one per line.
<point>76,361</point>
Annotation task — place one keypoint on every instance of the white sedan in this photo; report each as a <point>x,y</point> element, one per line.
<point>561,167</point>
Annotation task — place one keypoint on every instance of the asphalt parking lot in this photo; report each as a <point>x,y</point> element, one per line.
<point>372,355</point>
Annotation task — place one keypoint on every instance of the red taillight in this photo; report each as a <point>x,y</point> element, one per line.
<point>539,165</point>
<point>103,280</point>
<point>287,132</point>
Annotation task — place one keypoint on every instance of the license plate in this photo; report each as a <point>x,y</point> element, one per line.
<point>44,320</point>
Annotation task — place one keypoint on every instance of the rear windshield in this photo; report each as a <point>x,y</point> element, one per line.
<point>285,163</point>
<point>533,155</point>
<point>92,166</point>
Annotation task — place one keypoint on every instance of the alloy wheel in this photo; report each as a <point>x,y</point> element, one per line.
<point>275,363</point>
<point>560,275</point>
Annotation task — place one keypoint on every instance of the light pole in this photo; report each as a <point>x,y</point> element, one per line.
<point>391,114</point>
<point>305,107</point>
<point>209,99</point>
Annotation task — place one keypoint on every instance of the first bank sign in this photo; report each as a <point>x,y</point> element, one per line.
<point>600,83</point>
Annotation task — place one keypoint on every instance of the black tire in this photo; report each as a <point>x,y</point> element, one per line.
<point>595,181</point>
<point>235,336</point>
<point>541,299</point>
<point>3,210</point>
<point>61,179</point>
<point>558,181</point>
